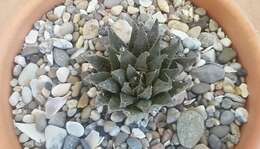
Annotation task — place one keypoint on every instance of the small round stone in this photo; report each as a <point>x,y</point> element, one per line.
<point>138,133</point>
<point>214,142</point>
<point>62,74</point>
<point>227,117</point>
<point>241,114</point>
<point>94,115</point>
<point>92,92</point>
<point>75,128</point>
<point>134,143</point>
<point>117,116</point>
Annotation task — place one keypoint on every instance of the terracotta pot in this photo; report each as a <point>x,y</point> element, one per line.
<point>17,17</point>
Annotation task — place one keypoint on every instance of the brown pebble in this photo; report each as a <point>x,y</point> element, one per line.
<point>158,146</point>
<point>83,101</point>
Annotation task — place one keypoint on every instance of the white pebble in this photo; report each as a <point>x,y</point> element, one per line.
<point>14,98</point>
<point>241,114</point>
<point>62,74</point>
<point>75,128</point>
<point>226,42</point>
<point>58,11</point>
<point>20,60</point>
<point>61,89</point>
<point>26,95</point>
<point>31,37</point>
<point>92,92</point>
<point>136,132</point>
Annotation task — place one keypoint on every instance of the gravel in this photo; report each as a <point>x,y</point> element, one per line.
<point>53,106</point>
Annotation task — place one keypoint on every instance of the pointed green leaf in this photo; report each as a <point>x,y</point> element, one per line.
<point>115,41</point>
<point>170,51</point>
<point>102,100</point>
<point>155,50</point>
<point>144,105</point>
<point>153,34</point>
<point>115,64</point>
<point>140,87</point>
<point>188,60</point>
<point>126,89</point>
<point>172,73</point>
<point>177,87</point>
<point>114,104</point>
<point>162,99</point>
<point>141,62</point>
<point>131,72</point>
<point>133,36</point>
<point>141,42</point>
<point>150,76</point>
<point>109,85</point>
<point>161,86</point>
<point>156,62</point>
<point>96,78</point>
<point>99,62</point>
<point>119,75</point>
<point>126,100</point>
<point>147,93</point>
<point>127,58</point>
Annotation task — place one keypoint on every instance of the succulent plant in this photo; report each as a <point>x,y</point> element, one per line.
<point>138,76</point>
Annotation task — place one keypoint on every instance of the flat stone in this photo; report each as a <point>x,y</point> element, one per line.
<point>31,131</point>
<point>40,121</point>
<point>71,142</point>
<point>209,73</point>
<point>111,3</point>
<point>200,88</point>
<point>209,55</point>
<point>116,10</point>
<point>163,5</point>
<point>54,137</point>
<point>178,25</point>
<point>28,73</point>
<point>121,138</point>
<point>62,43</point>
<point>190,128</point>
<point>226,55</point>
<point>194,32</point>
<point>65,28</point>
<point>123,30</point>
<point>145,3</point>
<point>235,98</point>
<point>75,128</point>
<point>62,74</point>
<point>61,57</point>
<point>58,119</point>
<point>58,11</point>
<point>132,10</point>
<point>191,43</point>
<point>53,105</point>
<point>134,143</point>
<point>117,116</point>
<point>138,133</point>
<point>220,131</point>
<point>93,139</point>
<point>61,89</point>
<point>207,39</point>
<point>92,6</point>
<point>90,29</point>
<point>182,35</point>
<point>26,95</point>
<point>241,114</point>
<point>31,38</point>
<point>14,98</point>
<point>214,142</point>
<point>227,117</point>
<point>19,59</point>
<point>172,115</point>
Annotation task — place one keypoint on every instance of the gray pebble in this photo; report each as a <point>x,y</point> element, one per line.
<point>121,138</point>
<point>71,142</point>
<point>214,142</point>
<point>111,3</point>
<point>134,143</point>
<point>61,58</point>
<point>226,103</point>
<point>58,119</point>
<point>227,117</point>
<point>226,55</point>
<point>220,131</point>
<point>207,39</point>
<point>190,128</point>
<point>40,121</point>
<point>209,73</point>
<point>191,43</point>
<point>200,88</point>
<point>172,115</point>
